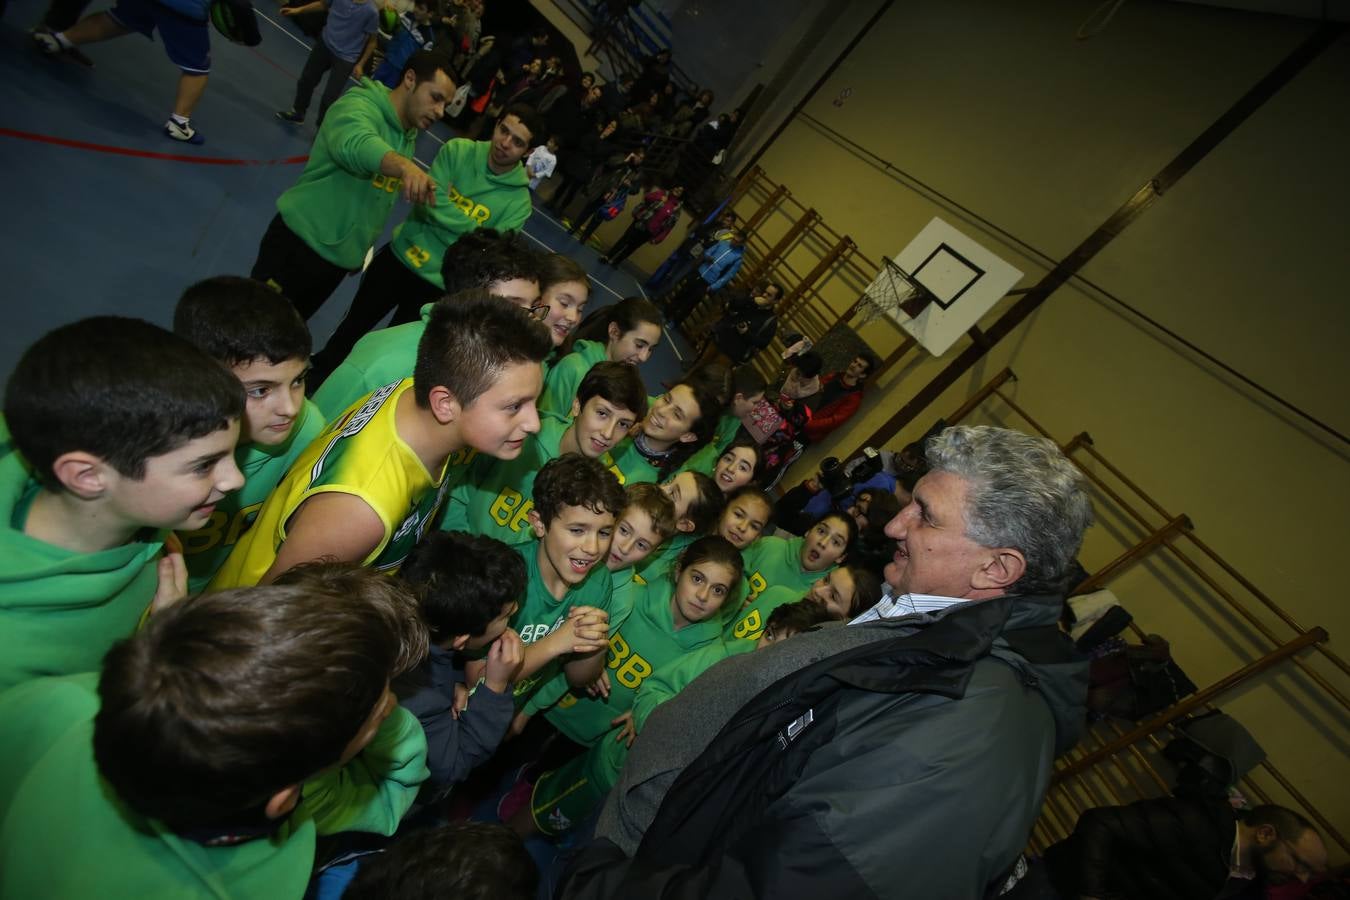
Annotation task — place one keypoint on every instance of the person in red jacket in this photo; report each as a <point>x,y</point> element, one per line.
<point>839,398</point>
<point>652,221</point>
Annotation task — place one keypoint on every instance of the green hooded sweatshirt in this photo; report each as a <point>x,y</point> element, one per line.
<point>206,549</point>
<point>564,378</point>
<point>61,610</point>
<point>342,202</point>
<point>469,196</point>
<point>379,358</point>
<point>65,835</point>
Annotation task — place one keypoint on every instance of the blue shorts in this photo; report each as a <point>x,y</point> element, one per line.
<point>186,41</point>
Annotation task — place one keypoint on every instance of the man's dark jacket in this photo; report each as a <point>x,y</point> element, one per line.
<point>904,758</point>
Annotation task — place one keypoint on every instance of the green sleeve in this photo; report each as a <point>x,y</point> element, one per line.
<point>340,389</point>
<point>374,790</point>
<point>351,133</point>
<point>563,380</point>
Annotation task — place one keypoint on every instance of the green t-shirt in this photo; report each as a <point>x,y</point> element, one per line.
<point>540,614</point>
<point>379,358</point>
<point>753,616</point>
<point>770,562</point>
<point>627,462</point>
<point>645,641</point>
<point>469,196</point>
<point>495,497</point>
<point>206,549</point>
<point>658,564</point>
<point>341,202</point>
<point>50,786</point>
<point>560,388</point>
<point>60,610</point>
<point>705,458</point>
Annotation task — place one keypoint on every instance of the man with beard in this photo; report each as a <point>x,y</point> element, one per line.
<point>1184,848</point>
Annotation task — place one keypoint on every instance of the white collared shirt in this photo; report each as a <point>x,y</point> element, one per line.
<point>894,607</point>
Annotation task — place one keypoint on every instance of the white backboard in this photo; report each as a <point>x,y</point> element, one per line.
<point>964,277</point>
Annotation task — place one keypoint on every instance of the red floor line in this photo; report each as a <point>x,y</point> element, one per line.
<point>149,154</point>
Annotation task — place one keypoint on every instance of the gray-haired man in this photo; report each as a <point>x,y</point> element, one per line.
<point>904,755</point>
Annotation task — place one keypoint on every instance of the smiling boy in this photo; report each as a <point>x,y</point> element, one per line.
<point>676,424</point>
<point>120,430</point>
<point>258,335</point>
<point>366,489</point>
<point>563,618</point>
<point>495,497</point>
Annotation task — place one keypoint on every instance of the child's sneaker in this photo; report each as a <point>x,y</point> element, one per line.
<point>184,132</point>
<point>290,115</point>
<point>519,795</point>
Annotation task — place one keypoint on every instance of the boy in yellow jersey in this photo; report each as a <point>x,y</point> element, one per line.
<point>257,333</point>
<point>496,497</point>
<point>367,488</point>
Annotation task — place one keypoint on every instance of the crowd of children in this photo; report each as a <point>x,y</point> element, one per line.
<point>237,621</point>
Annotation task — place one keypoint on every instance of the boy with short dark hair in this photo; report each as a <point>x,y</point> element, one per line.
<point>495,497</point>
<point>119,432</point>
<point>468,588</point>
<point>361,161</point>
<point>366,489</point>
<point>258,335</point>
<point>468,860</point>
<point>504,265</point>
<point>747,390</point>
<point>215,745</point>
<point>563,616</point>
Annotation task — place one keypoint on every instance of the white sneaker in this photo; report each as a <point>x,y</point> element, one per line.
<point>185,133</point>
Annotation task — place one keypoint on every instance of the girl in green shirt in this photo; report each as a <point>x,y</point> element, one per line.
<point>843,592</point>
<point>671,618</point>
<point>627,332</point>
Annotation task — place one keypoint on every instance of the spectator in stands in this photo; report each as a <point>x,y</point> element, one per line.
<point>858,773</point>
<point>614,96</point>
<point>1184,848</point>
<point>688,116</point>
<point>653,220</point>
<point>747,327</point>
<point>720,264</point>
<point>678,263</point>
<point>573,114</point>
<point>655,74</point>
<point>577,164</point>
<point>839,398</point>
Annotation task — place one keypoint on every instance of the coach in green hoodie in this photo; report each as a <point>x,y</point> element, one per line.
<point>478,184</point>
<point>360,162</point>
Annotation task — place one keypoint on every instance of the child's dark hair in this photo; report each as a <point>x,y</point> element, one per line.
<point>557,268</point>
<point>711,549</point>
<point>221,702</point>
<point>619,383</point>
<point>883,507</point>
<point>753,490</point>
<point>705,508</point>
<point>715,378</point>
<point>470,337</point>
<point>746,381</point>
<point>238,320</point>
<point>463,581</point>
<point>797,617</point>
<point>745,442</point>
<point>866,587</point>
<point>424,64</point>
<point>530,118</point>
<point>485,256</point>
<point>629,313</point>
<point>467,861</point>
<point>121,389</point>
<point>648,497</point>
<point>574,480</point>
<point>704,427</point>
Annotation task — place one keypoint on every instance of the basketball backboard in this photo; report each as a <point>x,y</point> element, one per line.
<point>940,285</point>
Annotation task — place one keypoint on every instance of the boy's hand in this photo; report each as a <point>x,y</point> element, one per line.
<point>627,730</point>
<point>173,576</point>
<point>518,724</point>
<point>358,71</point>
<point>599,687</point>
<point>504,661</point>
<point>474,670</point>
<point>461,701</point>
<point>588,629</point>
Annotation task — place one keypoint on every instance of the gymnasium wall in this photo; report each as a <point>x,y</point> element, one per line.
<point>996,106</point>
